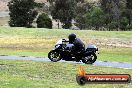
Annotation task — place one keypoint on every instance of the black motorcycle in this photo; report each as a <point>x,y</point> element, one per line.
<point>65,51</point>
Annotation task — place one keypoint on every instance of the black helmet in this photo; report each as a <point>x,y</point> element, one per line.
<point>72,37</point>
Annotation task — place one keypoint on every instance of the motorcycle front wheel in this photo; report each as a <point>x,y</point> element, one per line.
<point>90,59</point>
<point>54,56</point>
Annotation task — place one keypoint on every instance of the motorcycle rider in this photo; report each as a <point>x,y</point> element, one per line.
<point>79,45</point>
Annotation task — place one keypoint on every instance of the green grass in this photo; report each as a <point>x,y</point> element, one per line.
<point>44,33</point>
<point>38,42</point>
<point>41,32</point>
<point>116,54</point>
<point>16,52</point>
<point>31,74</point>
<point>113,45</point>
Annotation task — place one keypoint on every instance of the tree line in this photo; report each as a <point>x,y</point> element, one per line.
<point>101,15</point>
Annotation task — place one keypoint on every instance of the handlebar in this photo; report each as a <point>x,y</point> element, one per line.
<point>64,40</point>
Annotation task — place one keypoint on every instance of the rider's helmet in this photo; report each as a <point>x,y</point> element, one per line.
<point>72,37</point>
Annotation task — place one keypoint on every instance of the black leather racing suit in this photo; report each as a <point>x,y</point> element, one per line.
<point>79,45</point>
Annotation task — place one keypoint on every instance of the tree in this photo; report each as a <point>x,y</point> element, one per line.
<point>129,10</point>
<point>120,13</point>
<point>113,26</point>
<point>129,27</point>
<point>81,10</point>
<point>43,21</point>
<point>64,10</point>
<point>22,13</point>
<point>52,1</point>
<point>123,23</point>
<point>81,22</point>
<point>96,18</point>
<point>129,4</point>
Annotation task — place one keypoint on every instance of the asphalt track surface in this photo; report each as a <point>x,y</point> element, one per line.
<point>123,65</point>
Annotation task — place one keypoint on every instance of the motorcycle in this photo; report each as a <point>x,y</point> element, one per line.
<point>65,51</point>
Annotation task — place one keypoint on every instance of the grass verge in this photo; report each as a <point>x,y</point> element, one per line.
<point>31,74</point>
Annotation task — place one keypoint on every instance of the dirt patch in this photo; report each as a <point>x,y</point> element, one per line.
<point>110,42</point>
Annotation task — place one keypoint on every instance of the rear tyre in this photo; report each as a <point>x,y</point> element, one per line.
<point>90,59</point>
<point>54,56</point>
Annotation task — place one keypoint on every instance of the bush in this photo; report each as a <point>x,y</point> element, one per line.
<point>63,10</point>
<point>43,21</point>
<point>123,23</point>
<point>97,18</point>
<point>129,26</point>
<point>113,25</point>
<point>81,22</point>
<point>67,25</point>
<point>22,13</point>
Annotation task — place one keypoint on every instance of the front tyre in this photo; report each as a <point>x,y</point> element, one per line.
<point>90,59</point>
<point>54,56</point>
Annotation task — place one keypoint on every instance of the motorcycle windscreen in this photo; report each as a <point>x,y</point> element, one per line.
<point>59,42</point>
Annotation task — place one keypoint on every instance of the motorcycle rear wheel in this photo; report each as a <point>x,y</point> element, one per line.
<point>90,59</point>
<point>54,56</point>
